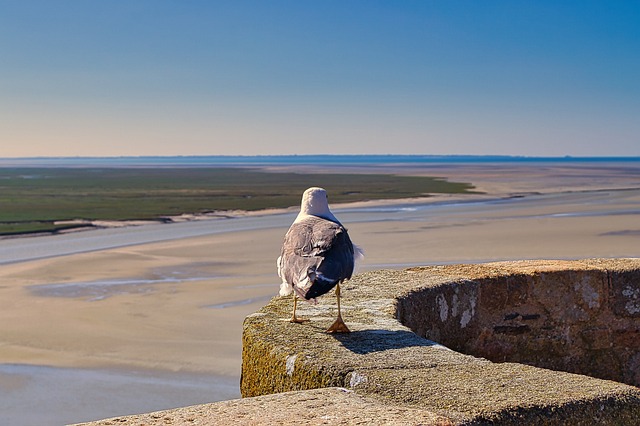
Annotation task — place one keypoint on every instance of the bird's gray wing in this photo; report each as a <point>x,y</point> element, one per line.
<point>301,251</point>
<point>317,253</point>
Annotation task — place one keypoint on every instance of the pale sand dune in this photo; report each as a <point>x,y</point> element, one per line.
<point>178,306</point>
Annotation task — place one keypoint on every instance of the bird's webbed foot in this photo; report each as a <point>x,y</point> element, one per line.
<point>338,326</point>
<point>297,320</point>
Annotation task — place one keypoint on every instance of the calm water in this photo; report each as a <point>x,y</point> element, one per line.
<point>40,395</point>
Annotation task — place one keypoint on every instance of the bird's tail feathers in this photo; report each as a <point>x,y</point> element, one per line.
<point>279,265</point>
<point>302,294</point>
<point>358,253</point>
<point>285,289</point>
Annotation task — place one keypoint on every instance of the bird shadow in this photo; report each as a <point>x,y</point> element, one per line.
<point>364,342</point>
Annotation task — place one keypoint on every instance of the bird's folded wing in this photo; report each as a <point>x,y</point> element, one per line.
<point>311,237</point>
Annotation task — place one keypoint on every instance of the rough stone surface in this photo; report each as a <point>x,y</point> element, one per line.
<point>552,313</point>
<point>579,316</point>
<point>328,406</point>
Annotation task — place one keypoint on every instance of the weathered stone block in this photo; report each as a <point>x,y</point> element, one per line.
<point>550,314</point>
<point>625,288</point>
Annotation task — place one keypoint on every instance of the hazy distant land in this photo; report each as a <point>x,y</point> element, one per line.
<point>61,198</point>
<point>61,194</point>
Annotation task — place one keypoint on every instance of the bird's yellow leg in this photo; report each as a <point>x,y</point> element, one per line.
<point>338,326</point>
<point>294,318</point>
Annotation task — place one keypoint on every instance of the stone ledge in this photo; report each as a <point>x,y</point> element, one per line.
<point>326,406</point>
<point>384,359</point>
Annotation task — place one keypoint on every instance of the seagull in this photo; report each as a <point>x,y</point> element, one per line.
<point>317,255</point>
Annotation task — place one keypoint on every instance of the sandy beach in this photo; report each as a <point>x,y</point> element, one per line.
<point>154,313</point>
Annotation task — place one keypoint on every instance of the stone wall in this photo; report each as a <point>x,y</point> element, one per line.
<point>559,315</point>
<point>581,318</point>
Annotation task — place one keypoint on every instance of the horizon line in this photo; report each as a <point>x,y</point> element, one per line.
<point>435,156</point>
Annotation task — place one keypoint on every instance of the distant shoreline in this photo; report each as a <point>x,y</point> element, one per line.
<point>20,248</point>
<point>320,159</point>
<point>58,199</point>
<point>513,176</point>
<point>82,225</point>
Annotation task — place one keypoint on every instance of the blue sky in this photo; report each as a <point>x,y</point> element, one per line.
<point>196,77</point>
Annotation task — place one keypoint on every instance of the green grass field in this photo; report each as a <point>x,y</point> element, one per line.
<point>31,199</point>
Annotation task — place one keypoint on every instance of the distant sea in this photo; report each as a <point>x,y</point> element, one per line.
<point>261,160</point>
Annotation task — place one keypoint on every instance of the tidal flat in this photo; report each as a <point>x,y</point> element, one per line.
<point>167,300</point>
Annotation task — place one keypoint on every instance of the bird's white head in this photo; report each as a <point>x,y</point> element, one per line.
<point>315,202</point>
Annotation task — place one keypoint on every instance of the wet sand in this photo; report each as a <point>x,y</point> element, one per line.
<point>169,305</point>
